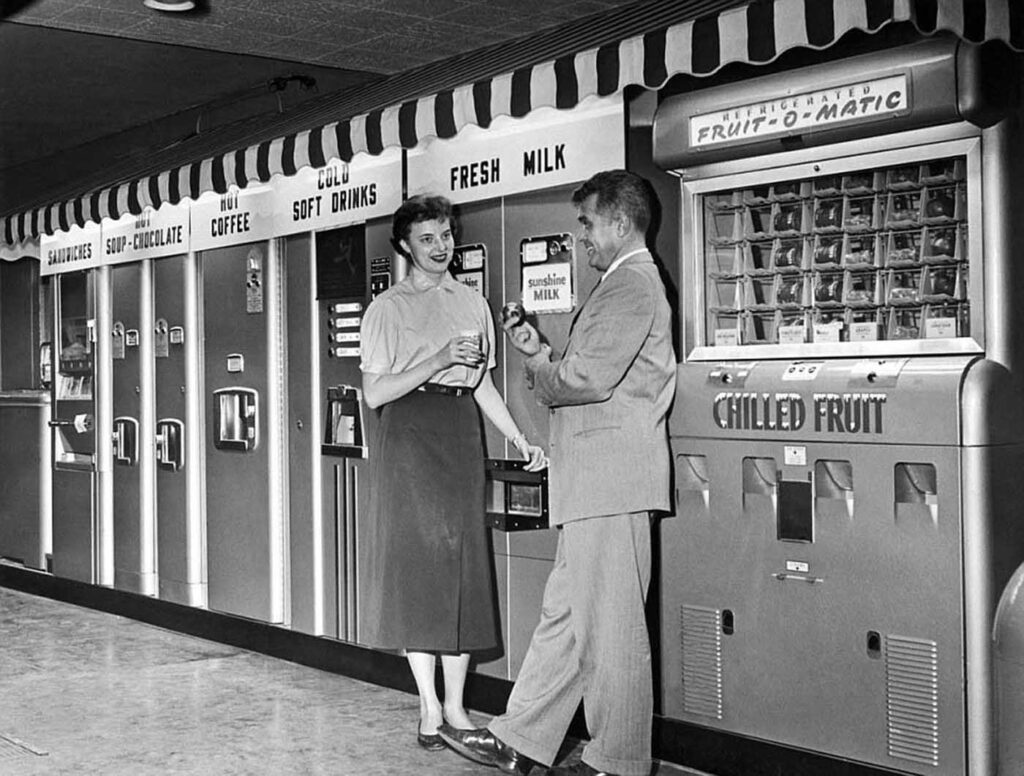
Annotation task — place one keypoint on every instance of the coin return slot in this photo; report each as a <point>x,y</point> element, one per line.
<point>916,492</point>
<point>833,484</point>
<point>874,645</point>
<point>760,480</point>
<point>692,478</point>
<point>728,622</point>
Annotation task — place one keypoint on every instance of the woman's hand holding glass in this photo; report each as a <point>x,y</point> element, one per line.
<point>464,349</point>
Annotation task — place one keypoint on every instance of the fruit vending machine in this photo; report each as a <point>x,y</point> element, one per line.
<point>848,433</point>
<point>80,445</point>
<point>337,258</point>
<point>512,187</point>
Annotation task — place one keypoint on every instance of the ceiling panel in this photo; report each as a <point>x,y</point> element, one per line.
<point>76,72</point>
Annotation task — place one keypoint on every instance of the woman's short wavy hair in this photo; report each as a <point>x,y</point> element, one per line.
<point>422,207</point>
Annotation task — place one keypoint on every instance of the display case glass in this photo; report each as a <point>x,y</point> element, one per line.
<point>870,254</point>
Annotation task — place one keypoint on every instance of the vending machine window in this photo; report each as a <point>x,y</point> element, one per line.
<point>860,255</point>
<point>74,442</point>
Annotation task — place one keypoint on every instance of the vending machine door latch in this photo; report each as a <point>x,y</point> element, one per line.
<point>170,444</point>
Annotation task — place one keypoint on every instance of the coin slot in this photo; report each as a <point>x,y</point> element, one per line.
<point>728,622</point>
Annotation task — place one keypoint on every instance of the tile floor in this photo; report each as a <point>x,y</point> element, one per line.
<point>86,693</point>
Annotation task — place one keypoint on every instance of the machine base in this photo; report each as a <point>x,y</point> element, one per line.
<point>725,754</point>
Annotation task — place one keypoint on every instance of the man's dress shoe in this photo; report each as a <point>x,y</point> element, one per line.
<point>482,746</point>
<point>432,742</point>
<point>577,769</point>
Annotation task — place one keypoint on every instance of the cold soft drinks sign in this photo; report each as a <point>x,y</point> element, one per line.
<point>339,193</point>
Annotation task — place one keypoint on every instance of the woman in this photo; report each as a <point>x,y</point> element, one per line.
<point>427,352</point>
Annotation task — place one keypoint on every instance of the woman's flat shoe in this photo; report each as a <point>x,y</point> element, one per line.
<point>432,742</point>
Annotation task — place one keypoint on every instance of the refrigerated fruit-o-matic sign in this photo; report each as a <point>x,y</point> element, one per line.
<point>801,112</point>
<point>836,413</point>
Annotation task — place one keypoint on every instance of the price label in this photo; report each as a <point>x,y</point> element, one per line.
<point>792,335</point>
<point>725,338</point>
<point>863,331</point>
<point>827,332</point>
<point>534,252</point>
<point>940,328</point>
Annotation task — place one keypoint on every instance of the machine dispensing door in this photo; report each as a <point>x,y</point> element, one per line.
<point>517,500</point>
<point>126,441</point>
<point>236,419</point>
<point>170,444</point>
<point>344,432</point>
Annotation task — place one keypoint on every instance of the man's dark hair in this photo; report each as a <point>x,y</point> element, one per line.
<point>619,191</point>
<point>422,207</point>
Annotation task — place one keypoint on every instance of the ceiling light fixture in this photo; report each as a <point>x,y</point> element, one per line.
<point>170,5</point>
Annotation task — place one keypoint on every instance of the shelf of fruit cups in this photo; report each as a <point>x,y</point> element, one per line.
<point>878,254</point>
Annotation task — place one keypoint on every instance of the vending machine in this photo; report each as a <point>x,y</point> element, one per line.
<point>139,342</point>
<point>181,535</point>
<point>353,264</point>
<point>243,378</point>
<point>80,388</point>
<point>132,471</point>
<point>512,187</point>
<point>337,257</point>
<point>25,323</point>
<point>847,432</point>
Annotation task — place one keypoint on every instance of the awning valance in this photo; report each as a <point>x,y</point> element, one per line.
<point>714,35</point>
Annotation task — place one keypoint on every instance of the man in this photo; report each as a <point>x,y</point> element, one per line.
<point>609,394</point>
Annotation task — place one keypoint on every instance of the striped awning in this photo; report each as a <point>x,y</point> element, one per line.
<point>756,33</point>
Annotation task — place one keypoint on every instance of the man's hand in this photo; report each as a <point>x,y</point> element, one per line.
<point>523,337</point>
<point>534,455</point>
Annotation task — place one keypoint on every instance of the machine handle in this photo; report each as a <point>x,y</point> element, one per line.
<point>126,441</point>
<point>170,444</point>
<point>81,423</point>
<point>782,576</point>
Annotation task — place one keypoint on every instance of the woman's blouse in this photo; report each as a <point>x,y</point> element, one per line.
<point>403,326</point>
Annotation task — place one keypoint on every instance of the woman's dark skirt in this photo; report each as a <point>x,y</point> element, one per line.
<point>431,579</point>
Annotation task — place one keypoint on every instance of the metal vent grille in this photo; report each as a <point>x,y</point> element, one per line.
<point>702,661</point>
<point>912,699</point>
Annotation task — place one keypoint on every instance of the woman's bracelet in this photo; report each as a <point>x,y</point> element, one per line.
<point>515,440</point>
